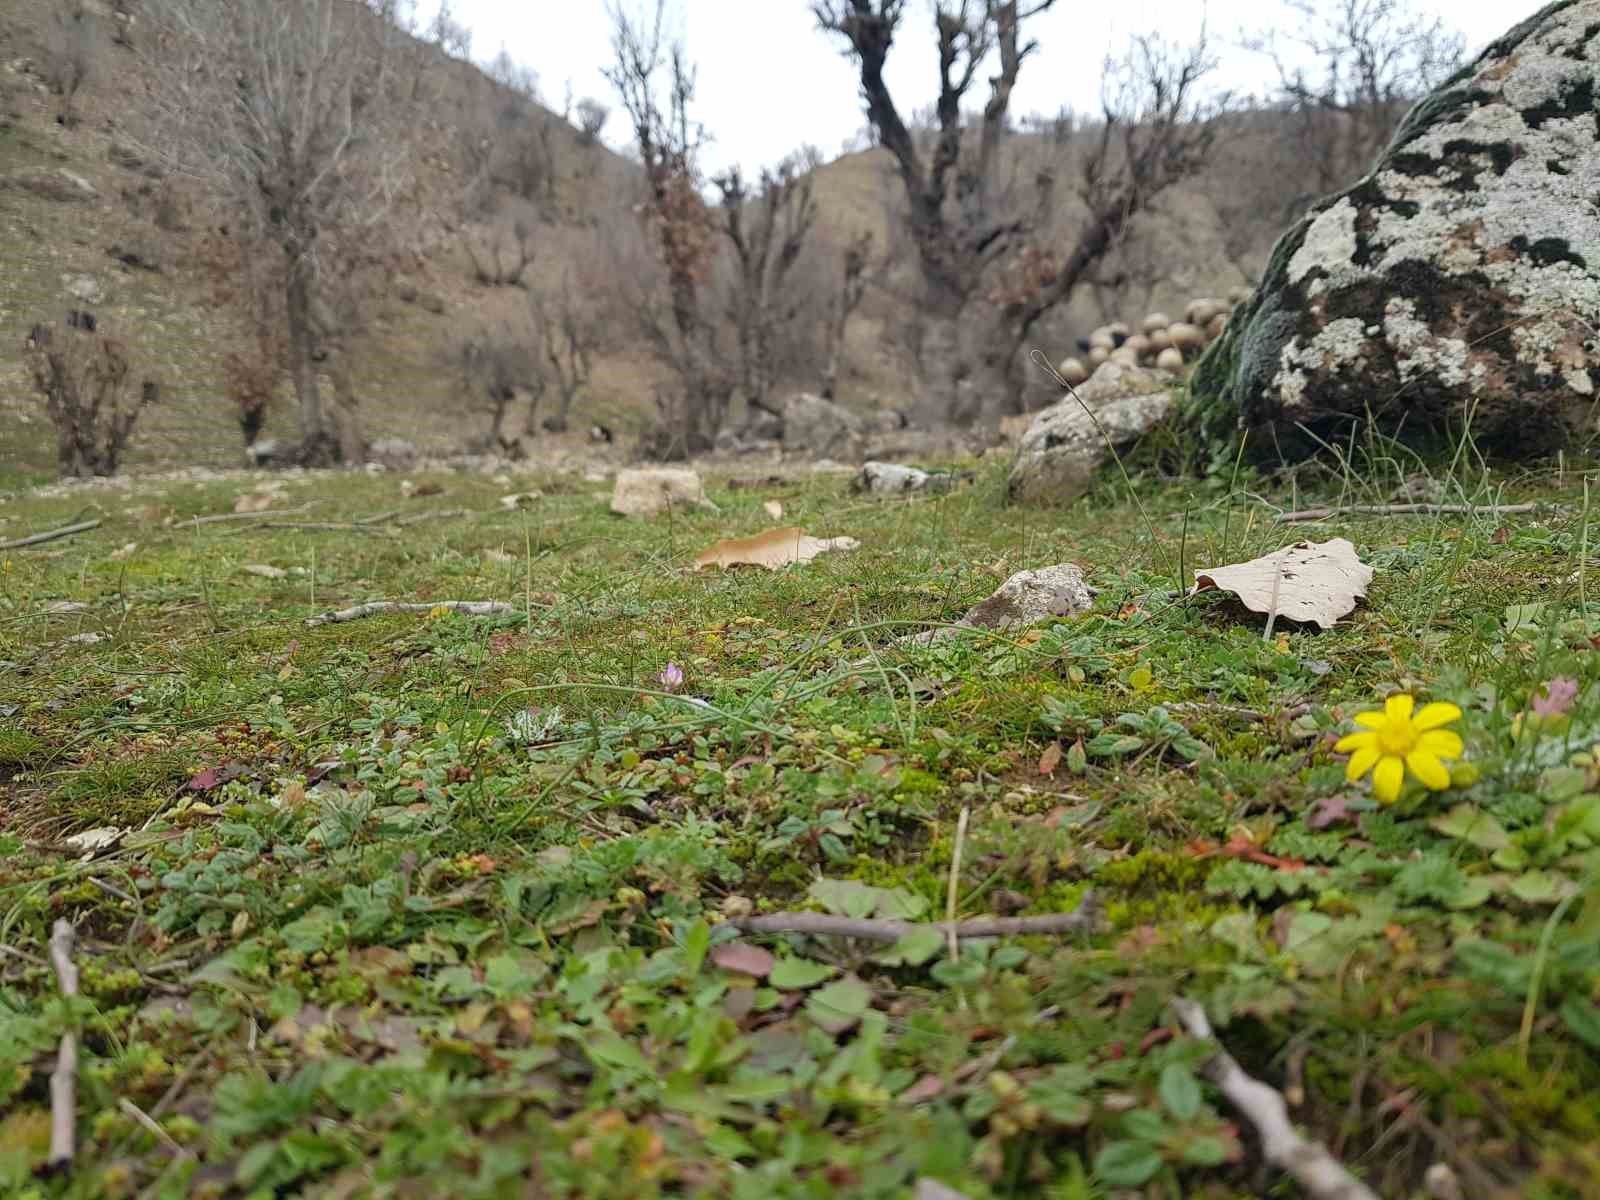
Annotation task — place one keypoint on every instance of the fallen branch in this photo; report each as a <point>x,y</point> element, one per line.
<point>328,526</point>
<point>1400,510</point>
<point>263,515</point>
<point>467,608</point>
<point>64,1079</point>
<point>33,539</point>
<point>1321,1175</point>
<point>1085,919</point>
<point>437,514</point>
<point>379,518</point>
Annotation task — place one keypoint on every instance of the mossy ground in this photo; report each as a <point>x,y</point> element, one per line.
<point>426,904</point>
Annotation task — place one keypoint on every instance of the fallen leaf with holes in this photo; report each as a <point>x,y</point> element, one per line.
<point>773,549</point>
<point>252,502</point>
<point>1315,582</point>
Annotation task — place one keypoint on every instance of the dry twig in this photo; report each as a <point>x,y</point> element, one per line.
<point>217,518</point>
<point>1084,919</point>
<point>467,608</point>
<point>64,1079</point>
<point>33,539</point>
<point>1400,510</point>
<point>1321,1175</point>
<point>438,514</point>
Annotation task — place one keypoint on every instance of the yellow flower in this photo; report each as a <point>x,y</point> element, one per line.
<point>1394,741</point>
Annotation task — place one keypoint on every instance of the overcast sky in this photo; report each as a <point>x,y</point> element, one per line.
<point>769,82</point>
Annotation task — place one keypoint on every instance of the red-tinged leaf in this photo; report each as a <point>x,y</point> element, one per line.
<point>216,776</point>
<point>1330,810</point>
<point>1154,1038</point>
<point>743,958</point>
<point>929,1087</point>
<point>1050,759</point>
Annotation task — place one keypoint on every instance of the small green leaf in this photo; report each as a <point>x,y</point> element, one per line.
<point>793,974</point>
<point>915,948</point>
<point>1077,760</point>
<point>839,1005</point>
<point>962,973</point>
<point>612,1050</point>
<point>695,945</point>
<point>1471,824</point>
<point>1127,1164</point>
<point>1206,1152</point>
<point>1180,1091</point>
<point>1111,744</point>
<point>1582,1016</point>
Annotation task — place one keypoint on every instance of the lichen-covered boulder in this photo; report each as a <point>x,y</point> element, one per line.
<point>1457,282</point>
<point>1024,599</point>
<point>1059,454</point>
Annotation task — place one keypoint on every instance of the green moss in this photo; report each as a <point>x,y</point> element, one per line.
<point>1155,869</point>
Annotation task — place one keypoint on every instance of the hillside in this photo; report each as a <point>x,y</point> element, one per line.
<point>138,246</point>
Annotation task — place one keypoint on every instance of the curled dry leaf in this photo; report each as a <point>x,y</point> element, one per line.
<point>263,570</point>
<point>773,549</point>
<point>252,502</point>
<point>518,500</point>
<point>1316,582</point>
<point>773,509</point>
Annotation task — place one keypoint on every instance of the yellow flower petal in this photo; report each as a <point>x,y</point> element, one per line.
<point>1388,777</point>
<point>1360,763</point>
<point>1436,714</point>
<point>1398,708</point>
<point>1445,743</point>
<point>1355,741</point>
<point>1429,769</point>
<point>1372,720</point>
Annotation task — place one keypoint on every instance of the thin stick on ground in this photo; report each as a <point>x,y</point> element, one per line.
<point>49,535</point>
<point>64,1080</point>
<point>466,608</point>
<point>436,515</point>
<point>1085,919</point>
<point>955,884</point>
<point>140,1117</point>
<point>218,518</point>
<point>1402,510</point>
<point>1321,1175</point>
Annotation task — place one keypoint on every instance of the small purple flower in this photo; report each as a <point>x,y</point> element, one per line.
<point>671,677</point>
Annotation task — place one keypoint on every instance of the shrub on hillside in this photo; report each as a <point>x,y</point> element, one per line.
<point>82,380</point>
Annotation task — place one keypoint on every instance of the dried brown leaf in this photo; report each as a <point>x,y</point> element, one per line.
<point>1316,582</point>
<point>773,549</point>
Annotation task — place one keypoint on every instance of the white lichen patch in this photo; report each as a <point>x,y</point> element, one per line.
<point>1336,346</point>
<point>1418,351</point>
<point>1330,243</point>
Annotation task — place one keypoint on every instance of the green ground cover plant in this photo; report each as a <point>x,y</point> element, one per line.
<point>433,904</point>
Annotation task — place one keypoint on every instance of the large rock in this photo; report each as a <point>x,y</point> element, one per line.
<point>396,454</point>
<point>1458,280</point>
<point>1058,456</point>
<point>820,427</point>
<point>646,491</point>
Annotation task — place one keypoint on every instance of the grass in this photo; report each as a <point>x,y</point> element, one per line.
<point>430,903</point>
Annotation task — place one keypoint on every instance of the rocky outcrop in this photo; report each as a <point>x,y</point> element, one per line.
<point>1457,283</point>
<point>821,427</point>
<point>646,491</point>
<point>1067,442</point>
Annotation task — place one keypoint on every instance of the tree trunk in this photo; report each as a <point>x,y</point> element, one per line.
<point>317,447</point>
<point>966,366</point>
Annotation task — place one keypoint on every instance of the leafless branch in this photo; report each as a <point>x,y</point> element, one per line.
<point>1322,1176</point>
<point>466,608</point>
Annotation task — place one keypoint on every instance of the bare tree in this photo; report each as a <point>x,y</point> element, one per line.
<point>295,114</point>
<point>1370,60</point>
<point>70,47</point>
<point>668,144</point>
<point>969,224</point>
<point>852,287</point>
<point>491,269</point>
<point>452,37</point>
<point>768,232</point>
<point>82,381</point>
<point>569,334</point>
<point>592,116</point>
<point>491,365</point>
